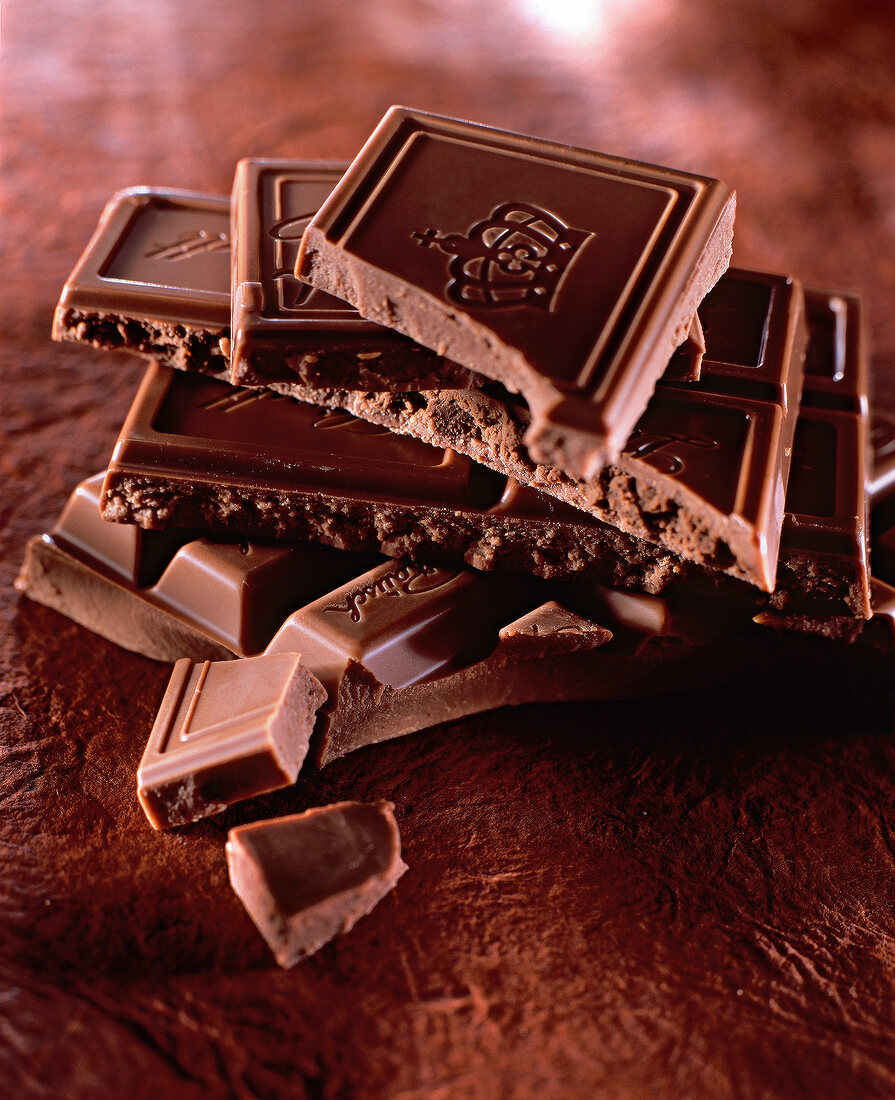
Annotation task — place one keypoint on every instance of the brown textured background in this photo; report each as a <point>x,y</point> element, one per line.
<point>691,898</point>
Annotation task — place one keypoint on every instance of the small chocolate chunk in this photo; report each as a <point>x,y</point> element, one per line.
<point>226,731</point>
<point>304,879</point>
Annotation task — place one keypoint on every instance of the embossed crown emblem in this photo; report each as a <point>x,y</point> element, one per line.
<point>517,256</point>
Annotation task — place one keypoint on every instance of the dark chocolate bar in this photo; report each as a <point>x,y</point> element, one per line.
<point>155,279</point>
<point>824,556</point>
<point>305,878</point>
<point>226,731</point>
<point>566,275</point>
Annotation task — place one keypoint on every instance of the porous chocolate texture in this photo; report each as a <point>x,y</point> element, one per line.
<point>154,278</point>
<point>568,276</point>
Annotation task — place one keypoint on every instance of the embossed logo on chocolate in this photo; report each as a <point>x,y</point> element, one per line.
<point>406,580</point>
<point>240,399</point>
<point>516,257</point>
<point>663,449</point>
<point>189,245</point>
<point>337,418</point>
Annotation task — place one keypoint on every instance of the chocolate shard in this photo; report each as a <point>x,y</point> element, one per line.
<point>566,275</point>
<point>154,278</point>
<point>551,629</point>
<point>226,731</point>
<point>304,879</point>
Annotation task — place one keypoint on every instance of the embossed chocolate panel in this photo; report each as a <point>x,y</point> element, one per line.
<point>187,426</point>
<point>836,362</point>
<point>567,275</point>
<point>162,254</point>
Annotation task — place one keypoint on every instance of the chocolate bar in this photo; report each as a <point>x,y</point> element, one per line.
<point>702,477</point>
<point>154,278</point>
<point>304,879</point>
<point>566,275</point>
<point>170,594</point>
<point>194,452</point>
<point>226,731</point>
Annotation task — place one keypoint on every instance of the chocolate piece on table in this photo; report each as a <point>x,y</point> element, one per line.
<point>566,275</point>
<point>169,594</point>
<point>196,452</point>
<point>155,279</point>
<point>304,879</point>
<point>226,731</point>
<point>408,646</point>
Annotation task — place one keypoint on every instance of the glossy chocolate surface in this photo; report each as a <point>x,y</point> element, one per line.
<point>574,266</point>
<point>226,731</point>
<point>717,914</point>
<point>305,878</point>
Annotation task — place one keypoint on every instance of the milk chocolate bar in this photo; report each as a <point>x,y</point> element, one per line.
<point>251,463</point>
<point>566,275</point>
<point>171,594</point>
<point>154,278</point>
<point>409,645</point>
<point>304,879</point>
<point>703,476</point>
<point>226,731</point>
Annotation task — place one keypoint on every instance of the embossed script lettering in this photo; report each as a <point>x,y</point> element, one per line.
<point>515,257</point>
<point>192,244</point>
<point>293,292</point>
<point>233,402</point>
<point>406,580</point>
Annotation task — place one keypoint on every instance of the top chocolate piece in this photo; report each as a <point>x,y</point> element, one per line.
<point>569,276</point>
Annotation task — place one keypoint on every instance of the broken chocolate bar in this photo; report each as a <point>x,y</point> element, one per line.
<point>194,452</point>
<point>155,279</point>
<point>304,879</point>
<point>703,476</point>
<point>226,731</point>
<point>169,594</point>
<point>408,646</point>
<point>566,275</point>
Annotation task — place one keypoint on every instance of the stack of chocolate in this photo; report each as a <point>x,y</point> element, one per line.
<point>466,349</point>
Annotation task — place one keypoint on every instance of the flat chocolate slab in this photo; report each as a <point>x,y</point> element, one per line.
<point>154,278</point>
<point>281,327</point>
<point>566,275</point>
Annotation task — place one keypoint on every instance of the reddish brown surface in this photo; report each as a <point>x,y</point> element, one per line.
<point>692,899</point>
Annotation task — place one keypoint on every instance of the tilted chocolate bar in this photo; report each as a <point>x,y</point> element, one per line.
<point>566,275</point>
<point>226,731</point>
<point>284,330</point>
<point>703,476</point>
<point>195,452</point>
<point>169,594</point>
<point>304,879</point>
<point>155,278</point>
